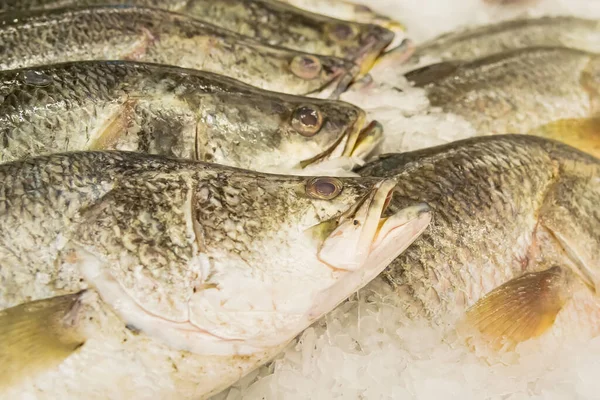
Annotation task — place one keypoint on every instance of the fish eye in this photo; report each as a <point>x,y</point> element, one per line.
<point>324,188</point>
<point>342,32</point>
<point>306,67</point>
<point>307,120</point>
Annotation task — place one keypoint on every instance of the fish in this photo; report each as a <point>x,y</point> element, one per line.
<point>158,36</point>
<point>349,11</point>
<point>481,41</point>
<point>270,22</point>
<point>512,250</point>
<point>526,91</point>
<point>133,275</point>
<point>177,112</point>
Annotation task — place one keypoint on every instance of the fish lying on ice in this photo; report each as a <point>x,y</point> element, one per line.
<point>349,11</point>
<point>546,91</point>
<point>126,275</point>
<point>158,109</point>
<point>158,36</point>
<point>514,240</point>
<point>268,21</point>
<point>481,41</point>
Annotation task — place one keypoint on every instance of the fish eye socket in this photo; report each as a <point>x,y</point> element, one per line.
<point>306,67</point>
<point>307,120</point>
<point>324,188</point>
<point>342,32</point>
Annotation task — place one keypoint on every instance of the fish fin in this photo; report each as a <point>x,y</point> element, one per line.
<point>581,133</point>
<point>38,335</point>
<point>522,308</point>
<point>113,127</point>
<point>422,76</point>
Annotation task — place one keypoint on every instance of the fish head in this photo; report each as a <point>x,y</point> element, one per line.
<point>287,132</point>
<point>362,43</point>
<point>320,76</point>
<point>220,261</point>
<point>280,251</point>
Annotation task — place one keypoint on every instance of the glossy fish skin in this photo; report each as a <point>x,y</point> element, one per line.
<point>175,278</point>
<point>472,43</point>
<point>159,109</point>
<point>267,21</point>
<point>503,206</point>
<point>158,36</point>
<point>349,11</point>
<point>518,91</point>
<point>345,10</point>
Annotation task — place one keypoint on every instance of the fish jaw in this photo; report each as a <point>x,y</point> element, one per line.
<point>368,139</point>
<point>338,85</point>
<point>375,43</point>
<point>357,142</point>
<point>394,235</point>
<point>361,231</point>
<point>395,57</point>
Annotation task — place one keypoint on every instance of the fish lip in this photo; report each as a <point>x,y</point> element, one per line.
<point>392,237</point>
<point>399,55</point>
<point>341,80</point>
<point>375,43</point>
<point>366,141</point>
<point>346,144</point>
<point>403,51</point>
<point>397,28</point>
<point>358,227</point>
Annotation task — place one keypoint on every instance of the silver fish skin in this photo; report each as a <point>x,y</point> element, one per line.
<point>271,22</point>
<point>514,244</point>
<point>158,109</point>
<point>544,91</point>
<point>477,42</point>
<point>127,275</point>
<point>152,35</point>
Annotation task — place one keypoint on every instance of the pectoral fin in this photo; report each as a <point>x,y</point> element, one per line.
<point>113,127</point>
<point>522,308</point>
<point>38,335</point>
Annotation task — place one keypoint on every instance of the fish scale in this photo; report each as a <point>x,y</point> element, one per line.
<point>141,267</point>
<point>167,110</point>
<point>495,201</point>
<point>153,35</point>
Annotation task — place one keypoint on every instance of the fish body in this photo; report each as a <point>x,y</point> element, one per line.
<point>126,275</point>
<point>271,22</point>
<point>349,11</point>
<point>482,41</point>
<point>159,36</point>
<point>520,91</point>
<point>515,234</point>
<point>158,109</point>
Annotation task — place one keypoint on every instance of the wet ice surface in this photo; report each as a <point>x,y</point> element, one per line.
<point>365,349</point>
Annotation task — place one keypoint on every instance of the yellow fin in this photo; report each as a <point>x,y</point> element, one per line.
<point>38,335</point>
<point>113,128</point>
<point>522,308</point>
<point>581,133</point>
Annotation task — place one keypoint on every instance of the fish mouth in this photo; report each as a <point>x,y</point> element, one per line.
<point>397,55</point>
<point>375,43</point>
<point>358,141</point>
<point>341,80</point>
<point>363,229</point>
<point>367,140</point>
<point>365,242</point>
<point>397,28</point>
